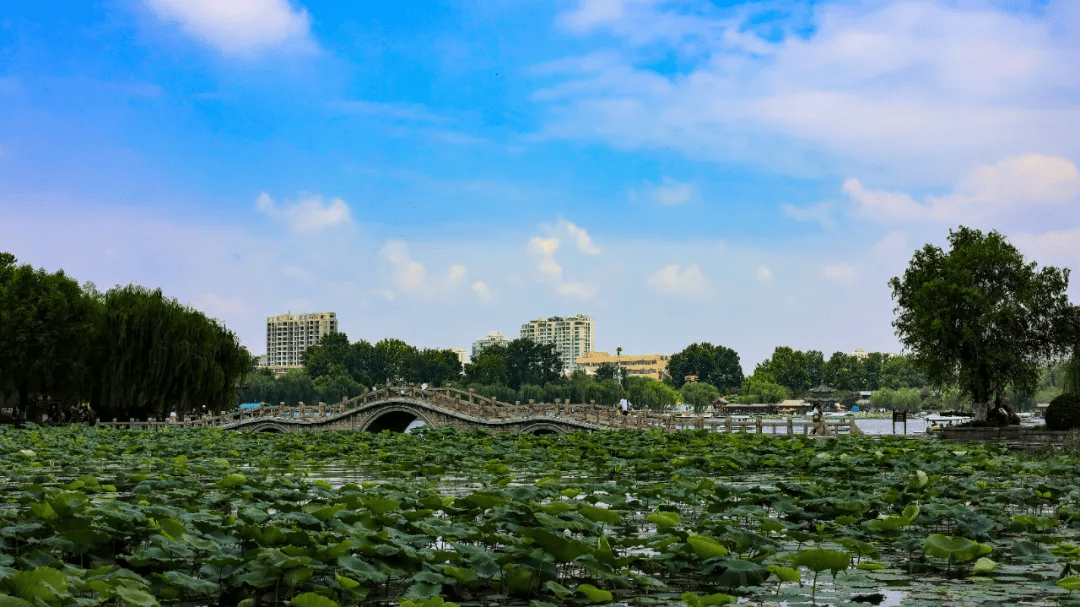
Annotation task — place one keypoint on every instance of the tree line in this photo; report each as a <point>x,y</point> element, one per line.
<point>68,350</point>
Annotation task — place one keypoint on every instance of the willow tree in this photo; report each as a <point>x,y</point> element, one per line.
<point>980,317</point>
<point>156,356</point>
<point>46,328</point>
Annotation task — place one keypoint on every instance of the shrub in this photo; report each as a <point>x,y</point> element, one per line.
<point>1063,412</point>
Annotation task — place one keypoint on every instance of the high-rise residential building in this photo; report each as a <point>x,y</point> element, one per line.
<point>629,365</point>
<point>572,336</point>
<point>462,355</point>
<point>491,339</point>
<point>289,335</point>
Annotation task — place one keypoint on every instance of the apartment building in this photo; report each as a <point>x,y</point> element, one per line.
<point>289,335</point>
<point>462,355</point>
<point>491,339</point>
<point>572,336</point>
<point>632,365</point>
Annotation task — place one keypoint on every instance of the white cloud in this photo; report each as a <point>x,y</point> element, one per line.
<point>818,212</point>
<point>677,280</point>
<point>893,248</point>
<point>674,193</point>
<point>840,273</point>
<point>309,215</point>
<point>543,246</point>
<point>482,291</point>
<point>240,27</point>
<point>921,89</point>
<point>408,275</point>
<point>580,237</point>
<point>576,289</point>
<point>1055,246</point>
<point>542,252</point>
<point>216,305</point>
<point>764,272</point>
<point>1014,185</point>
<point>457,272</point>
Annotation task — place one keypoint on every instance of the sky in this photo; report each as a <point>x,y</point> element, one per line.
<point>746,174</point>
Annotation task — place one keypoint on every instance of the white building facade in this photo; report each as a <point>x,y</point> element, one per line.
<point>572,336</point>
<point>288,336</point>
<point>491,339</point>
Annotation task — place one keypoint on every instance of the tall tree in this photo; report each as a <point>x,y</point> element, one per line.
<point>331,349</point>
<point>488,367</point>
<point>529,362</point>
<point>46,328</point>
<point>699,395</point>
<point>715,365</point>
<point>980,317</point>
<point>788,368</point>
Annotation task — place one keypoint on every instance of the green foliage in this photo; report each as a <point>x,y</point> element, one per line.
<point>645,392</point>
<point>207,516</point>
<point>131,352</point>
<point>980,317</point>
<point>699,395</point>
<point>1063,412</point>
<point>714,365</point>
<point>904,399</point>
<point>760,389</point>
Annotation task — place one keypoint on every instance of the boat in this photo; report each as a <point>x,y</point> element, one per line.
<point>937,422</point>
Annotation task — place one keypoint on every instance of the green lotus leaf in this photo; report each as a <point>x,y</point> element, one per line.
<point>706,547</point>
<point>983,565</point>
<point>1069,583</point>
<point>557,589</point>
<point>600,515</point>
<point>785,574</point>
<point>133,597</point>
<point>664,519</point>
<point>231,480</point>
<point>311,599</point>
<point>821,559</point>
<point>954,548</point>
<point>870,566</point>
<point>594,594</point>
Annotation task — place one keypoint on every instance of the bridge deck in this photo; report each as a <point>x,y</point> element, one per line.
<point>469,409</point>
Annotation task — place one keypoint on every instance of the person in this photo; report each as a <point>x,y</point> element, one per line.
<point>817,419</point>
<point>624,406</point>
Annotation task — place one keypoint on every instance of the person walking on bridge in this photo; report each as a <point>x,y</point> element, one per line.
<point>624,406</point>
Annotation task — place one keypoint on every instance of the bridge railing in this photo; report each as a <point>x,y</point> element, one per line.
<point>477,406</point>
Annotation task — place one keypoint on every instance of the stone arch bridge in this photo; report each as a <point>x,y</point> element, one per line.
<point>394,409</point>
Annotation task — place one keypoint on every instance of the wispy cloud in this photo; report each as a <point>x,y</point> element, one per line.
<point>884,85</point>
<point>241,27</point>
<point>309,215</point>
<point>672,193</point>
<point>819,212</point>
<point>677,280</point>
<point>1013,185</point>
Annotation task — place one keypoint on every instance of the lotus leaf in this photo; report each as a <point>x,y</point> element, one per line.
<point>664,519</point>
<point>594,594</point>
<point>983,565</point>
<point>706,547</point>
<point>954,548</point>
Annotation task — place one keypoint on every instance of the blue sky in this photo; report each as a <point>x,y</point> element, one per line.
<point>749,174</point>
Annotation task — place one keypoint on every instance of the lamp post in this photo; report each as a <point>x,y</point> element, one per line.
<point>618,362</point>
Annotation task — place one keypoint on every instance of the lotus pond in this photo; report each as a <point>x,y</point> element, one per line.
<point>210,517</point>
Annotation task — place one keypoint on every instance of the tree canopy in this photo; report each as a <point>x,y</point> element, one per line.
<point>980,317</point>
<point>715,365</point>
<point>130,352</point>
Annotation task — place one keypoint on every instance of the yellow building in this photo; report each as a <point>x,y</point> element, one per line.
<point>633,365</point>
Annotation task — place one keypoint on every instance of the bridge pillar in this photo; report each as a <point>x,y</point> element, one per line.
<point>790,426</point>
<point>322,409</point>
<point>301,414</point>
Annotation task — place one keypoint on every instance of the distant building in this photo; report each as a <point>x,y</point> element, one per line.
<point>288,336</point>
<point>462,355</point>
<point>491,339</point>
<point>632,365</point>
<point>859,353</point>
<point>262,361</point>
<point>572,336</point>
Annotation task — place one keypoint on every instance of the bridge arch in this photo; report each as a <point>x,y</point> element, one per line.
<point>269,427</point>
<point>544,428</point>
<point>395,418</point>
